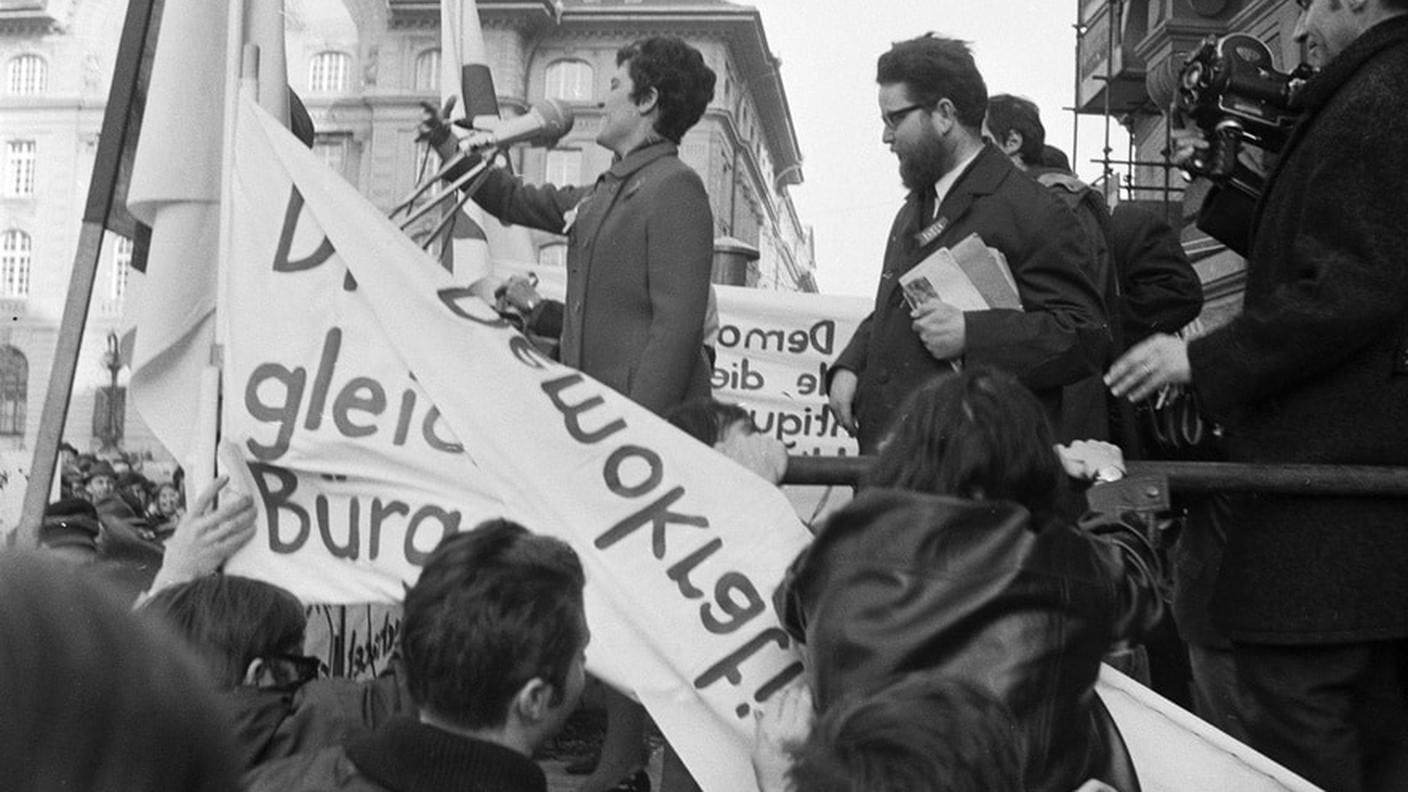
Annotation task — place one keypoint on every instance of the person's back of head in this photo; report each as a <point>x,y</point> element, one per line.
<point>95,698</point>
<point>978,434</point>
<point>935,68</point>
<point>496,611</point>
<point>676,71</point>
<point>922,733</point>
<point>707,420</point>
<point>244,629</point>
<point>1008,114</point>
<point>1056,159</point>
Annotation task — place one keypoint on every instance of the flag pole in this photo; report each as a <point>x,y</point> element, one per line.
<point>241,74</point>
<point>102,187</point>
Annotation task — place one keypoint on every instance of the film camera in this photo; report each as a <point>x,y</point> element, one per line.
<point>1231,90</point>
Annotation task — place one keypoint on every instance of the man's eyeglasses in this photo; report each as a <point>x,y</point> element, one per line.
<point>894,118</point>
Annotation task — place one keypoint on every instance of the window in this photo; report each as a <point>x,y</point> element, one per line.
<point>14,264</point>
<point>570,80</point>
<point>121,268</point>
<point>553,254</point>
<point>14,386</point>
<point>427,74</point>
<point>19,168</point>
<point>28,75</point>
<point>329,72</point>
<point>334,149</point>
<point>564,167</point>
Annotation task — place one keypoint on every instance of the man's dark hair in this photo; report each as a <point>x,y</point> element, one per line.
<point>684,85</point>
<point>230,621</point>
<point>706,419</point>
<point>979,434</point>
<point>924,733</point>
<point>934,68</point>
<point>1008,114</point>
<point>1052,157</point>
<point>494,608</point>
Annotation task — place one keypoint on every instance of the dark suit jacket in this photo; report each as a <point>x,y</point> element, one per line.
<point>1058,338</point>
<point>640,251</point>
<point>1315,369</point>
<point>1159,291</point>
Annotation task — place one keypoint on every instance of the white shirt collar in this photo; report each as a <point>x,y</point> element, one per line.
<point>946,182</point>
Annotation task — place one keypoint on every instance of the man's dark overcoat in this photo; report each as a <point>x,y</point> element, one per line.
<point>1315,369</point>
<point>1060,335</point>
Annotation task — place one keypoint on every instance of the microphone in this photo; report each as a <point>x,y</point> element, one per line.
<point>542,125</point>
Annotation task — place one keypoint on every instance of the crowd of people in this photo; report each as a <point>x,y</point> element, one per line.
<point>952,619</point>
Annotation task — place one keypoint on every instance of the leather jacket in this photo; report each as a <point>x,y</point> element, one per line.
<point>898,582</point>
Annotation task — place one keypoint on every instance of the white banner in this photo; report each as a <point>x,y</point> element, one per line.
<point>362,387</point>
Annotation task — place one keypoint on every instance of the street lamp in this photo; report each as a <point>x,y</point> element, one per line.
<point>112,361</point>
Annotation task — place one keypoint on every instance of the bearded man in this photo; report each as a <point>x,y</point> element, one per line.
<point>932,103</point>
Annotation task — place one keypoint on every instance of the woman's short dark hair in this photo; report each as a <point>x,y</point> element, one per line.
<point>933,68</point>
<point>684,85</point>
<point>924,732</point>
<point>97,698</point>
<point>706,420</point>
<point>979,434</point>
<point>232,621</point>
<point>494,608</point>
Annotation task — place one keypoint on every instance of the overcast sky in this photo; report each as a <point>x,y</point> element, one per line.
<point>828,50</point>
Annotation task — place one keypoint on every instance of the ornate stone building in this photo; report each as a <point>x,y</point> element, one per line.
<point>363,78</point>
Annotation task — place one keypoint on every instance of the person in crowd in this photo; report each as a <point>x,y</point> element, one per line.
<point>932,103</point>
<point>639,257</point>
<point>729,429</point>
<point>166,511</point>
<point>95,698</point>
<point>69,531</point>
<point>1013,124</point>
<point>494,641</point>
<point>251,636</point>
<point>921,733</point>
<point>99,481</point>
<point>1159,290</point>
<point>1023,603</point>
<point>1314,370</point>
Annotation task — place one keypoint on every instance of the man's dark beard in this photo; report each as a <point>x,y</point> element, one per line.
<point>924,164</point>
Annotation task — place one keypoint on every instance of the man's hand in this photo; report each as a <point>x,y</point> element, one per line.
<point>841,397</point>
<point>940,326</point>
<point>783,724</point>
<point>206,537</point>
<point>435,128</point>
<point>1187,142</point>
<point>1156,361</point>
<point>763,454</point>
<point>1084,459</point>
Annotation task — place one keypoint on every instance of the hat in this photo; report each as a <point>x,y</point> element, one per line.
<point>71,522</point>
<point>129,478</point>
<point>99,469</point>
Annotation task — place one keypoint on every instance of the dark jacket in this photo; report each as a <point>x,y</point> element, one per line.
<point>403,756</point>
<point>1060,335</point>
<point>276,724</point>
<point>899,582</point>
<point>1315,368</point>
<point>640,252</point>
<point>1159,290</point>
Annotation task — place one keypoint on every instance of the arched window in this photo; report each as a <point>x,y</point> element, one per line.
<point>553,254</point>
<point>564,167</point>
<point>570,80</point>
<point>14,264</point>
<point>14,388</point>
<point>427,74</point>
<point>28,75</point>
<point>19,169</point>
<point>329,72</point>
<point>121,268</point>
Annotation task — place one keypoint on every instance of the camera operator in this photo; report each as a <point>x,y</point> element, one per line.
<point>1315,370</point>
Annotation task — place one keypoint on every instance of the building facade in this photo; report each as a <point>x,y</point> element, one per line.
<point>362,67</point>
<point>1123,47</point>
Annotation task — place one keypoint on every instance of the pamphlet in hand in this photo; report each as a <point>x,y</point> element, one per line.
<point>971,277</point>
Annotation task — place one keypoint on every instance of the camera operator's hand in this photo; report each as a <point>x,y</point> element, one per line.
<point>1188,142</point>
<point>1156,361</point>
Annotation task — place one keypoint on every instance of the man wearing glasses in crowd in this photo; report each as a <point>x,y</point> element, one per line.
<point>932,103</point>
